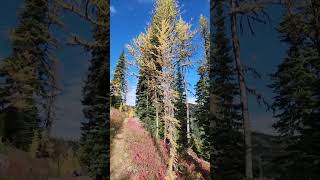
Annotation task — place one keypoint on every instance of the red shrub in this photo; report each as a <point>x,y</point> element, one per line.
<point>149,157</point>
<point>144,153</point>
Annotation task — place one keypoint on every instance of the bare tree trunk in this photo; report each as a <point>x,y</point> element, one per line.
<point>148,96</point>
<point>49,119</point>
<point>187,105</point>
<point>260,167</point>
<point>49,111</point>
<point>316,10</point>
<point>157,122</point>
<point>164,134</point>
<point>243,92</point>
<point>169,119</point>
<point>157,113</point>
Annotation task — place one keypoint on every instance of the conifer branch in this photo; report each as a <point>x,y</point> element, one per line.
<point>76,40</point>
<point>77,10</point>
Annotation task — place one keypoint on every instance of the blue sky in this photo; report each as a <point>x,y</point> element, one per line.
<point>130,18</point>
<point>263,51</point>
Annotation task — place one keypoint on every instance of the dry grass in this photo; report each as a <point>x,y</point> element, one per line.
<point>21,166</point>
<point>116,120</point>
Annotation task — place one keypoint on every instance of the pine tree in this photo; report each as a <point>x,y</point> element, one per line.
<point>185,50</point>
<point>94,155</point>
<point>119,83</point>
<point>166,79</point>
<point>28,74</point>
<point>148,94</point>
<point>253,12</point>
<point>181,111</point>
<point>144,108</point>
<point>147,91</point>
<point>227,140</point>
<point>154,52</point>
<point>94,141</point>
<point>296,102</point>
<point>202,92</point>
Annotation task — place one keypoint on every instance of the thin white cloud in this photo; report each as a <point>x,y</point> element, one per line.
<point>113,9</point>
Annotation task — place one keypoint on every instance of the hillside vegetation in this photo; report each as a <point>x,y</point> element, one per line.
<point>16,164</point>
<point>135,154</point>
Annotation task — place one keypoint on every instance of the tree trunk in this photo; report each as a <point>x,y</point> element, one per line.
<point>157,113</point>
<point>187,105</point>
<point>49,111</point>
<point>165,134</point>
<point>157,122</point>
<point>243,92</point>
<point>316,10</point>
<point>260,168</point>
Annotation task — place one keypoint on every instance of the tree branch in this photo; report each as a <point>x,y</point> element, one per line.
<point>76,40</point>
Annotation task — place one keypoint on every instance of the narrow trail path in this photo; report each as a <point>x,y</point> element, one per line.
<point>134,154</point>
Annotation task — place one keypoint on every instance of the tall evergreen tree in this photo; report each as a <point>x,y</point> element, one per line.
<point>181,111</point>
<point>29,76</point>
<point>185,50</point>
<point>149,102</point>
<point>155,52</point>
<point>296,102</point>
<point>119,83</point>
<point>147,91</point>
<point>253,12</point>
<point>144,108</point>
<point>202,91</point>
<point>94,140</point>
<point>227,140</point>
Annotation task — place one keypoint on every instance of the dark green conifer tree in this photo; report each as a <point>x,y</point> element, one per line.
<point>119,83</point>
<point>95,132</point>
<point>181,111</point>
<point>202,92</point>
<point>144,108</point>
<point>28,74</point>
<point>295,84</point>
<point>228,161</point>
